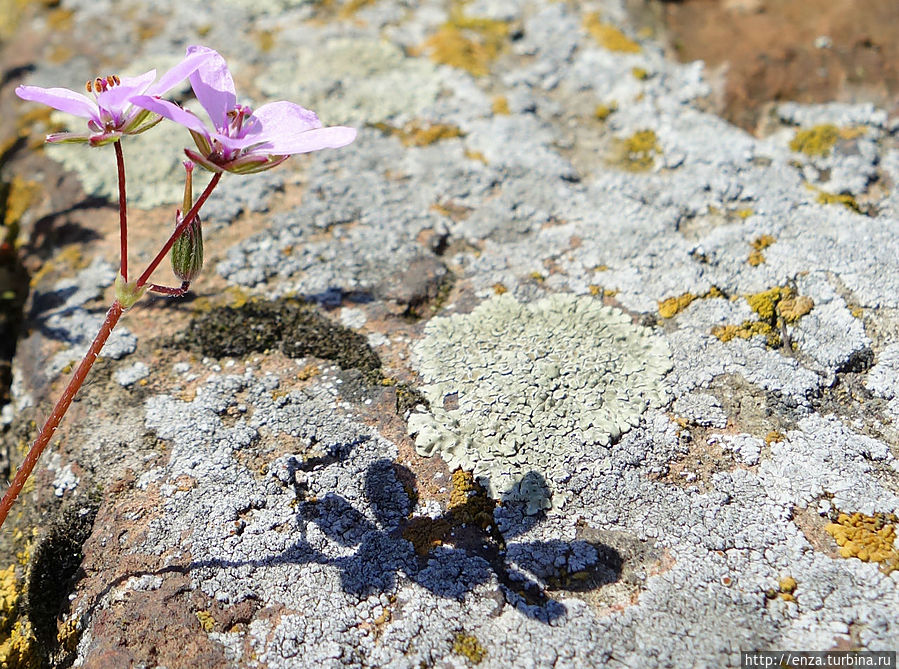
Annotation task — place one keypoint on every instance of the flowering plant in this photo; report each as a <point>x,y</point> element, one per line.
<point>241,141</point>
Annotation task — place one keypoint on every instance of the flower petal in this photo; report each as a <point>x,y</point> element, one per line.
<point>62,99</point>
<point>179,73</point>
<point>172,112</point>
<point>115,99</point>
<point>213,86</point>
<point>310,140</point>
<point>285,117</point>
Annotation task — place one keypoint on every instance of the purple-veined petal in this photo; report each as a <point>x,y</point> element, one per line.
<point>179,73</point>
<point>213,86</point>
<point>310,140</point>
<point>62,99</point>
<point>282,117</point>
<point>115,99</point>
<point>172,112</point>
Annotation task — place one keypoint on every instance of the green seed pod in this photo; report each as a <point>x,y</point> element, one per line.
<point>187,251</point>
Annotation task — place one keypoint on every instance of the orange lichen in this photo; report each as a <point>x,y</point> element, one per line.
<point>868,538</point>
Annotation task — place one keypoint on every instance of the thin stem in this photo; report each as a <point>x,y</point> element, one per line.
<point>62,405</point>
<point>123,214</point>
<point>168,290</point>
<point>179,229</point>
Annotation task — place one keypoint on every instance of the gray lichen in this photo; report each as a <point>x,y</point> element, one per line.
<point>518,390</point>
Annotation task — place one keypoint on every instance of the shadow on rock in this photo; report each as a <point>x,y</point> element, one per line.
<point>448,555</point>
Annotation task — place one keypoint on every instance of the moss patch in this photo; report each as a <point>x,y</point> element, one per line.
<point>608,36</point>
<point>816,141</point>
<point>469,43</point>
<point>868,538</point>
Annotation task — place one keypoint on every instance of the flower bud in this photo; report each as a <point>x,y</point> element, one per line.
<point>187,251</point>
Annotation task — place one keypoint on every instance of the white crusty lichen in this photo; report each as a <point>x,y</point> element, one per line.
<point>525,395</point>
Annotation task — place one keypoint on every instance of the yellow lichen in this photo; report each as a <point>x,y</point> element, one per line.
<point>609,36</point>
<point>791,309</point>
<point>602,112</point>
<point>469,647</point>
<point>844,199</point>
<point>421,133</point>
<point>765,302</point>
<point>816,141</point>
<point>468,505</point>
<point>744,213</point>
<point>640,73</point>
<point>762,242</point>
<point>637,152</point>
<point>469,43</point>
<point>755,258</point>
<point>748,329</point>
<point>69,635</point>
<point>774,436</point>
<point>500,105</point>
<point>17,641</point>
<point>19,198</point>
<point>499,288</point>
<point>776,307</point>
<point>672,306</point>
<point>207,622</point>
<point>787,587</point>
<point>868,538</point>
<point>351,7</point>
<point>476,155</point>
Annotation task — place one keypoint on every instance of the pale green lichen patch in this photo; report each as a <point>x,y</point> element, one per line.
<point>519,391</point>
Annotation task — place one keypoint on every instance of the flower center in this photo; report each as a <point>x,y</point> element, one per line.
<point>109,118</point>
<point>101,84</point>
<point>236,119</point>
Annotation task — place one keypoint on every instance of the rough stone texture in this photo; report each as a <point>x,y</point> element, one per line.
<point>257,499</point>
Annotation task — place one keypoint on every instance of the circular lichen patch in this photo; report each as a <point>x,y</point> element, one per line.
<point>524,394</point>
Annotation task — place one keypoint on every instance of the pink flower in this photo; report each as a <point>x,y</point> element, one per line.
<point>110,113</point>
<point>243,140</point>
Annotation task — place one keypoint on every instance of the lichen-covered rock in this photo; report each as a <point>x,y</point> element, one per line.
<point>517,390</point>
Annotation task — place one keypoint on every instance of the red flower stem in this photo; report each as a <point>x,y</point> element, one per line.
<point>123,215</point>
<point>62,405</point>
<point>179,229</point>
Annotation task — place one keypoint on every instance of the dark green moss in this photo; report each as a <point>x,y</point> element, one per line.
<point>295,329</point>
<point>54,569</point>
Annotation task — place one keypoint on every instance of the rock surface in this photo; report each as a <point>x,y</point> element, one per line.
<point>660,350</point>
